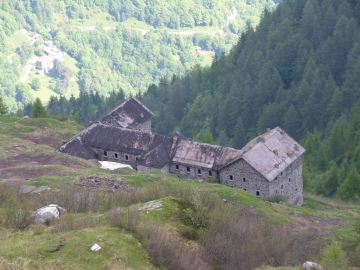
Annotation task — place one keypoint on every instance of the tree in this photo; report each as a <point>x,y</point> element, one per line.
<point>36,84</point>
<point>3,109</point>
<point>38,110</point>
<point>350,189</point>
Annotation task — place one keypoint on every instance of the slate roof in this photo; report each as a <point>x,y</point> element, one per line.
<point>203,154</point>
<point>129,114</point>
<point>271,153</point>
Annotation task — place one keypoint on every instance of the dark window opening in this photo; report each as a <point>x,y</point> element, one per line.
<point>276,191</point>
<point>281,173</point>
<point>188,169</point>
<point>295,189</point>
<point>245,189</point>
<point>257,193</point>
<point>176,167</point>
<point>276,178</point>
<point>199,171</point>
<point>210,173</point>
<point>116,155</point>
<point>136,158</point>
<point>126,157</point>
<point>289,180</point>
<point>105,153</point>
<point>290,165</point>
<point>244,179</point>
<point>282,187</point>
<point>231,177</point>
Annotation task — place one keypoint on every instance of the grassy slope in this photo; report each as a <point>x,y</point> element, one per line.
<point>27,157</point>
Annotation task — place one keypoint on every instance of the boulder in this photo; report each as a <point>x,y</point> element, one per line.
<point>46,214</point>
<point>311,266</point>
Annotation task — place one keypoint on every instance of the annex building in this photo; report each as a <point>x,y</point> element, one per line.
<point>267,166</point>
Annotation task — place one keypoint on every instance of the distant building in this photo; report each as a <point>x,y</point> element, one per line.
<point>267,166</point>
<point>34,36</point>
<point>45,63</point>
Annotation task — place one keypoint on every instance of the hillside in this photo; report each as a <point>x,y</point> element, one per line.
<point>108,45</point>
<point>186,229</point>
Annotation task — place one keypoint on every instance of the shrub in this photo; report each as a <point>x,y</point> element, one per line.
<point>333,257</point>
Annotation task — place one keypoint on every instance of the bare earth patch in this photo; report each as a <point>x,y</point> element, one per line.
<point>95,182</point>
<point>51,139</point>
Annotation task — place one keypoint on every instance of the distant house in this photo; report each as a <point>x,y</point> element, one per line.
<point>45,63</point>
<point>48,43</point>
<point>34,36</point>
<point>267,166</point>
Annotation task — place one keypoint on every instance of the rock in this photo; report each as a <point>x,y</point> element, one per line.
<point>152,205</point>
<point>311,266</point>
<point>95,247</point>
<point>26,116</point>
<point>94,182</point>
<point>48,213</point>
<point>33,189</point>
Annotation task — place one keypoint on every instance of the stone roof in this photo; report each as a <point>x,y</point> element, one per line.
<point>202,154</point>
<point>271,153</point>
<point>128,114</point>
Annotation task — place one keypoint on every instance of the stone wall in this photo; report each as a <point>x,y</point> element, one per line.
<point>289,183</point>
<point>115,156</point>
<point>241,175</point>
<point>141,168</point>
<point>145,127</point>
<point>181,170</point>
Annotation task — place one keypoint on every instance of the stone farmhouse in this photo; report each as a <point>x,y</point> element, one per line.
<point>267,166</point>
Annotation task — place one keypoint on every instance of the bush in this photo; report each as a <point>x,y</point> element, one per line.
<point>333,257</point>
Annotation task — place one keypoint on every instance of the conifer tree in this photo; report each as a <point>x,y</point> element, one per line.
<point>3,109</point>
<point>350,189</point>
<point>38,110</point>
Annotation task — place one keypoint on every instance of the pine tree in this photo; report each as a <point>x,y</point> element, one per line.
<point>38,110</point>
<point>332,182</point>
<point>3,109</point>
<point>350,189</point>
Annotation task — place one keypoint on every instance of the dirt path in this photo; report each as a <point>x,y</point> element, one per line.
<point>29,66</point>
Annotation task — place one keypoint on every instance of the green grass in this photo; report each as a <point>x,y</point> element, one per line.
<point>119,249</point>
<point>17,39</point>
<point>134,23</point>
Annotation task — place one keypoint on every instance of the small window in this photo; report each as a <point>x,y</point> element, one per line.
<point>210,173</point>
<point>257,193</point>
<point>126,157</point>
<point>116,155</point>
<point>290,165</point>
<point>245,189</point>
<point>199,171</point>
<point>231,177</point>
<point>136,158</point>
<point>276,191</point>
<point>295,189</point>
<point>281,173</point>
<point>244,180</point>
<point>289,180</point>
<point>282,187</point>
<point>105,153</point>
<point>276,178</point>
<point>188,169</point>
<point>176,167</point>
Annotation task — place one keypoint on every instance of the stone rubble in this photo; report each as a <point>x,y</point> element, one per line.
<point>95,182</point>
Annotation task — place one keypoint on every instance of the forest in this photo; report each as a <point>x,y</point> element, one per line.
<point>298,69</point>
<point>115,44</point>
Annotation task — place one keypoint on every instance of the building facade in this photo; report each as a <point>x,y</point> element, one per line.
<point>269,165</point>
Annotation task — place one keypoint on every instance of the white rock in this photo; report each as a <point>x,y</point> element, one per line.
<point>95,247</point>
<point>311,265</point>
<point>48,213</point>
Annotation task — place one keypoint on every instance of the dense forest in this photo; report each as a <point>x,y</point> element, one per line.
<point>115,44</point>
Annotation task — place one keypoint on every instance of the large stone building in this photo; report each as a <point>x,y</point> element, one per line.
<point>267,166</point>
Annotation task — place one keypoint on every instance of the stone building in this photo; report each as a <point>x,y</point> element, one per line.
<point>267,166</point>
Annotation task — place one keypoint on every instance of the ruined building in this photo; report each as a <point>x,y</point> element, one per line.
<point>267,166</point>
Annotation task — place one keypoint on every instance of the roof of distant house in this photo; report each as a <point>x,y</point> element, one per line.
<point>129,114</point>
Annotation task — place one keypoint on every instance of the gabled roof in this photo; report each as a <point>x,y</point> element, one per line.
<point>203,154</point>
<point>129,114</point>
<point>271,153</point>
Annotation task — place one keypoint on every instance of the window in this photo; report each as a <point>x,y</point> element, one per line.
<point>126,157</point>
<point>282,187</point>
<point>105,153</point>
<point>257,193</point>
<point>245,189</point>
<point>281,173</point>
<point>276,191</point>
<point>199,171</point>
<point>188,169</point>
<point>116,155</point>
<point>176,167</point>
<point>290,165</point>
<point>276,178</point>
<point>244,180</point>
<point>289,180</point>
<point>295,189</point>
<point>231,177</point>
<point>210,173</point>
<point>136,158</point>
